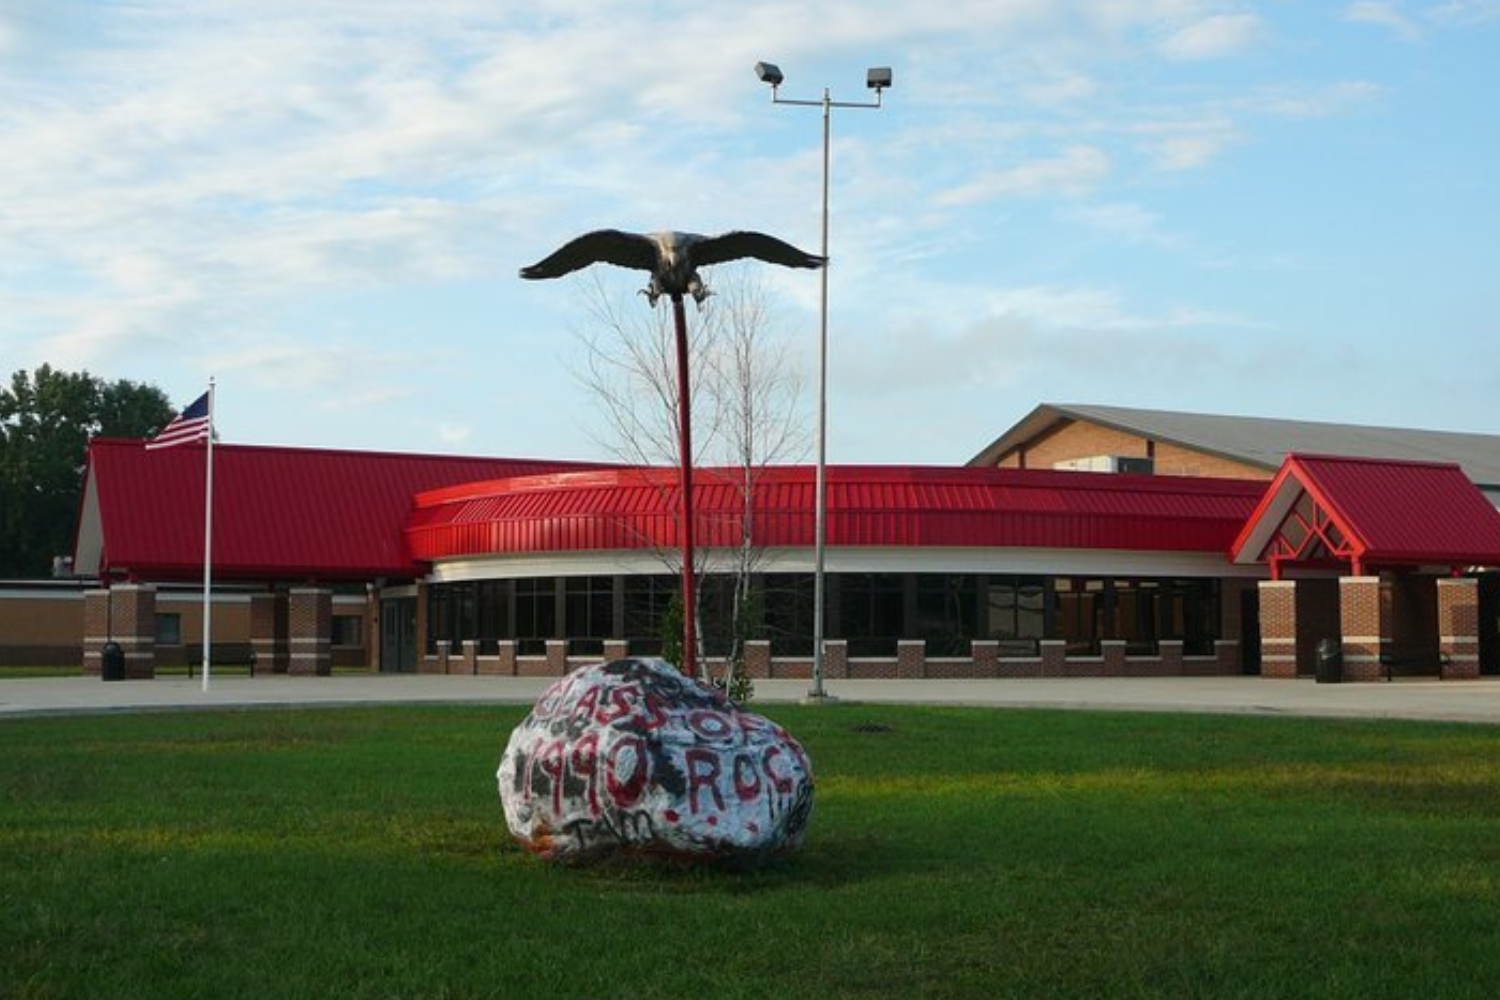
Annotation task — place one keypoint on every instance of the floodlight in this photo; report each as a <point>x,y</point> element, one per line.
<point>876,78</point>
<point>771,73</point>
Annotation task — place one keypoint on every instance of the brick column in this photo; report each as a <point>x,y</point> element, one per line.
<point>1173,663</point>
<point>506,654</point>
<point>1112,653</point>
<point>986,655</point>
<point>911,659</point>
<point>444,654</point>
<point>1365,621</point>
<point>758,657</point>
<point>1054,657</point>
<point>133,626</point>
<point>557,657</point>
<point>467,661</point>
<point>615,649</point>
<point>310,631</point>
<point>95,630</point>
<point>1228,653</point>
<point>1278,628</point>
<point>835,659</point>
<point>1458,628</point>
<point>268,628</point>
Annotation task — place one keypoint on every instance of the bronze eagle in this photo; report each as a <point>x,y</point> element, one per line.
<point>672,258</point>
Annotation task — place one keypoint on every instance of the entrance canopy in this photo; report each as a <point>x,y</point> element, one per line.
<point>1327,511</point>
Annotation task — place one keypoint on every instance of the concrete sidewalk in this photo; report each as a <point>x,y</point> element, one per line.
<point>1468,701</point>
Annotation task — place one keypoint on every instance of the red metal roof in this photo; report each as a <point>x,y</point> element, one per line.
<point>867,506</point>
<point>279,513</point>
<point>1391,512</point>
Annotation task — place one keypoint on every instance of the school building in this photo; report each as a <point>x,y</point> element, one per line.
<point>1084,541</point>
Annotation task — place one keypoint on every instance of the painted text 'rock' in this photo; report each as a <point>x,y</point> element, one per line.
<point>633,757</point>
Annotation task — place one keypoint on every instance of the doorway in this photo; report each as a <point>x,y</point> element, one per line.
<point>398,635</point>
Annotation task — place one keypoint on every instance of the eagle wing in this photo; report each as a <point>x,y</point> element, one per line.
<point>744,243</point>
<point>603,246</point>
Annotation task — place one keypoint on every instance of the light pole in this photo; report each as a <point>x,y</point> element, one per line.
<point>877,79</point>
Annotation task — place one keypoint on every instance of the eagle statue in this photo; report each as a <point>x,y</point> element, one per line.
<point>672,258</point>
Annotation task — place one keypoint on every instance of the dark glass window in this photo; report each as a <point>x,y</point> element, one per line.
<point>1017,614</point>
<point>871,612</point>
<point>789,613</point>
<point>646,601</point>
<point>348,630</point>
<point>169,629</point>
<point>590,604</point>
<point>947,605</point>
<point>1079,621</point>
<point>536,609</point>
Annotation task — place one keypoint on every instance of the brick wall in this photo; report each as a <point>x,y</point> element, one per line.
<point>1365,622</point>
<point>310,631</point>
<point>1074,439</point>
<point>1080,439</point>
<point>1458,628</point>
<point>1278,628</point>
<point>268,632</point>
<point>95,629</point>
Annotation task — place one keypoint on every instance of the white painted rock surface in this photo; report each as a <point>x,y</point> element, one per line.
<point>633,757</point>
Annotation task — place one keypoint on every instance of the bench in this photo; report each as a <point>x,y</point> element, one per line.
<point>236,654</point>
<point>1391,658</point>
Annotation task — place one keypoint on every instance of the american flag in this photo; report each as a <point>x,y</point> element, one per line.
<point>192,424</point>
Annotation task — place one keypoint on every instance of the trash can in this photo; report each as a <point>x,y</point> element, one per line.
<point>1330,661</point>
<point>112,658</point>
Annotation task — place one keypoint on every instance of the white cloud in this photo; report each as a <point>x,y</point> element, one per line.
<point>451,433</point>
<point>1123,221</point>
<point>1187,144</point>
<point>1215,37</point>
<point>1466,12</point>
<point>1324,101</point>
<point>1074,173</point>
<point>1384,15</point>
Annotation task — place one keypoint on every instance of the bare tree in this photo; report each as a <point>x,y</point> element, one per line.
<point>746,395</point>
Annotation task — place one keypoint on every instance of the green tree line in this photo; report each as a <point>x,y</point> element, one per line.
<point>46,420</point>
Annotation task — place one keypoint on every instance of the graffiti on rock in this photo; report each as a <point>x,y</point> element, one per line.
<point>631,756</point>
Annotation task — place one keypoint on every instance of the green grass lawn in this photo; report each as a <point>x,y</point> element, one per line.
<point>959,853</point>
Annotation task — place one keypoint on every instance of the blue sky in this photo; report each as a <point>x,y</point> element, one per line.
<point>1283,209</point>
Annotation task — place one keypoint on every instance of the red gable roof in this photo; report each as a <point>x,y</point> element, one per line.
<point>279,513</point>
<point>867,506</point>
<point>1384,511</point>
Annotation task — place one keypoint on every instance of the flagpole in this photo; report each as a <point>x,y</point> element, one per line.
<point>208,542</point>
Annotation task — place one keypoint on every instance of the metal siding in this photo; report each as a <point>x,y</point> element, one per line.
<point>867,506</point>
<point>1402,511</point>
<point>278,512</point>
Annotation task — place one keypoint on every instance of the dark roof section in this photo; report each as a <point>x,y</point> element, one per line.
<point>878,506</point>
<point>1265,442</point>
<point>1391,512</point>
<point>279,513</point>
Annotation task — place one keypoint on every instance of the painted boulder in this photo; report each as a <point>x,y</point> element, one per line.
<point>631,757</point>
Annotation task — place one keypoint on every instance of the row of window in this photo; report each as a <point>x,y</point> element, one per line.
<point>870,610</point>
<point>348,630</point>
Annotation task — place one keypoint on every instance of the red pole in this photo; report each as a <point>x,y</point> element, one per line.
<point>685,441</point>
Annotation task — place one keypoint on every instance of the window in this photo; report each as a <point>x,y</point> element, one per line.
<point>348,630</point>
<point>1080,614</point>
<point>1016,614</point>
<point>789,613</point>
<point>947,605</point>
<point>870,612</point>
<point>590,607</point>
<point>169,629</point>
<point>646,601</point>
<point>536,609</point>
